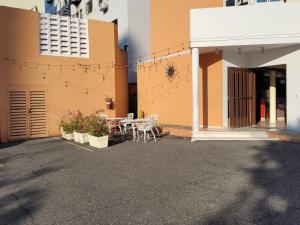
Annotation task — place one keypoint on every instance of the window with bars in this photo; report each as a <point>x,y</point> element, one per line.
<point>63,36</point>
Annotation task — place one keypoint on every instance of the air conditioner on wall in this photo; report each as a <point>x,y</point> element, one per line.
<point>242,2</point>
<point>103,6</point>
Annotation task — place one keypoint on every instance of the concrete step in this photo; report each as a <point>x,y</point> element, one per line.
<point>231,135</point>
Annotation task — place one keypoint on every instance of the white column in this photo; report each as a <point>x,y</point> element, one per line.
<point>195,83</point>
<point>273,98</point>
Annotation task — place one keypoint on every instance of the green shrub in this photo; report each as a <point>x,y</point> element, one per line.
<point>81,123</point>
<point>67,123</point>
<point>97,126</point>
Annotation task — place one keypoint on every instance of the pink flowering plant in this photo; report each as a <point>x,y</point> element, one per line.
<point>74,121</point>
<point>97,126</point>
<point>67,123</point>
<point>81,122</point>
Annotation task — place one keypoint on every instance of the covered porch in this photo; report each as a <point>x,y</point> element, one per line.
<point>254,44</point>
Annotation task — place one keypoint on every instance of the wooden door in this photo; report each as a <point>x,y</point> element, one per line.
<point>241,97</point>
<point>27,114</point>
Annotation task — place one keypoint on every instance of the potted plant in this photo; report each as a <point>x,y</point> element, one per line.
<point>98,132</point>
<point>80,128</point>
<point>66,126</point>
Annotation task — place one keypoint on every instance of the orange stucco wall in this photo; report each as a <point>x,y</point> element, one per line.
<point>170,22</point>
<point>172,99</point>
<point>68,87</point>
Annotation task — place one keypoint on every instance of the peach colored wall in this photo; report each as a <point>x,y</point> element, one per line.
<point>170,21</point>
<point>211,89</point>
<point>86,91</point>
<point>121,84</point>
<point>172,100</point>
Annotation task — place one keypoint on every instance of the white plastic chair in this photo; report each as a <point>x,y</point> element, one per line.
<point>145,127</point>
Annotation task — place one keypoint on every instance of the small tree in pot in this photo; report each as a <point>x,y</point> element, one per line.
<point>66,126</point>
<point>81,124</point>
<point>98,132</point>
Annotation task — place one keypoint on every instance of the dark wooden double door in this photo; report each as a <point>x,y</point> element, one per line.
<point>241,97</point>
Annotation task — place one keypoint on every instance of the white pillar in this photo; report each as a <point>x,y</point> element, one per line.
<point>195,83</point>
<point>273,119</point>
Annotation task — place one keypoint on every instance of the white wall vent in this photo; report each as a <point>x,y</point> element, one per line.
<point>63,36</point>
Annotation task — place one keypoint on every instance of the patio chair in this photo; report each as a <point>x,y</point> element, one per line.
<point>145,127</point>
<point>127,121</point>
<point>154,117</point>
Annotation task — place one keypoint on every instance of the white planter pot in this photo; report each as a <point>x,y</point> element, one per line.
<point>67,136</point>
<point>98,142</point>
<point>81,137</point>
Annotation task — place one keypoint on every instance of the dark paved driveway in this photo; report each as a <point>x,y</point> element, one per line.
<point>169,183</point>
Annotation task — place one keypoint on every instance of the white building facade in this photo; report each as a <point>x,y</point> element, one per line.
<point>263,37</point>
<point>133,21</point>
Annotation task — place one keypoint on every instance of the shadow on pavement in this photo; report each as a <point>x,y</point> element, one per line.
<point>274,195</point>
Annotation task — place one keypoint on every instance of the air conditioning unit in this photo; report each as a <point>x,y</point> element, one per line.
<point>104,6</point>
<point>242,2</point>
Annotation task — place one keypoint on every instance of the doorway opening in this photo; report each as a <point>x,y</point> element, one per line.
<point>257,97</point>
<point>271,92</point>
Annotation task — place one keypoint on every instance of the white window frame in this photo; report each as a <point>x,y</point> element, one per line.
<point>254,2</point>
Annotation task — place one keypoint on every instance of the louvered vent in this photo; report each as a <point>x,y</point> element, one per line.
<point>38,114</point>
<point>18,125</point>
<point>63,36</point>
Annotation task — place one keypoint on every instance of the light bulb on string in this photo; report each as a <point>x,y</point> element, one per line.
<point>86,91</point>
<point>44,76</point>
<point>66,85</point>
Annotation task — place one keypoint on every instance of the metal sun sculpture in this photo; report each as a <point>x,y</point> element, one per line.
<point>171,70</point>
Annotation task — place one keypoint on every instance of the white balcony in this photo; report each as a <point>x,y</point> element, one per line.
<point>260,24</point>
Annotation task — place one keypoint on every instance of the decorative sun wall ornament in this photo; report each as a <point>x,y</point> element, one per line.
<point>171,70</point>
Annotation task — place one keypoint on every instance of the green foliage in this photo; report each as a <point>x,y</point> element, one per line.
<point>81,123</point>
<point>97,126</point>
<point>67,123</point>
<point>75,121</point>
